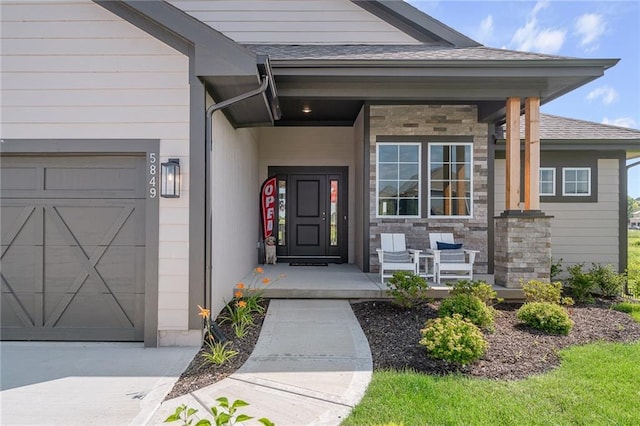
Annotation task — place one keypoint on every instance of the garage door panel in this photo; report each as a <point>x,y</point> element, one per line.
<point>89,225</point>
<point>73,248</point>
<point>120,267</point>
<point>87,179</point>
<point>20,178</point>
<point>91,310</point>
<point>22,269</point>
<point>62,267</point>
<point>21,310</point>
<point>133,230</point>
<point>21,224</point>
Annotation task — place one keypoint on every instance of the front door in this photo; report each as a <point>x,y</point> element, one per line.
<point>312,218</point>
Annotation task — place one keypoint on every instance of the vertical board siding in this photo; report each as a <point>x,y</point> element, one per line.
<point>73,70</point>
<point>580,232</point>
<point>294,21</point>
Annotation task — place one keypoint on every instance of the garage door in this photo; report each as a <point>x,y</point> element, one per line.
<point>73,247</point>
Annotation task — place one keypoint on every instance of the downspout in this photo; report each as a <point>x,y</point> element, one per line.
<point>207,172</point>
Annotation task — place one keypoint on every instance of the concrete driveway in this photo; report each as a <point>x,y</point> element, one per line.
<point>65,383</point>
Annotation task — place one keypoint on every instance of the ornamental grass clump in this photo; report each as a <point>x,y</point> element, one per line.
<point>453,339</point>
<point>547,317</point>
<point>407,289</point>
<point>469,307</point>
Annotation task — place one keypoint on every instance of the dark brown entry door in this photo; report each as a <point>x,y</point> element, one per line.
<point>309,219</point>
<point>314,220</point>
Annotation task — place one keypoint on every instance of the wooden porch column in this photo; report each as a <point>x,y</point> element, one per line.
<point>532,154</point>
<point>513,154</point>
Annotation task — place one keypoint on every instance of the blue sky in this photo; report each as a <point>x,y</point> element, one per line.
<point>582,29</point>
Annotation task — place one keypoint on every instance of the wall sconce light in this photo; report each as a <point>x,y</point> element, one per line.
<point>170,174</point>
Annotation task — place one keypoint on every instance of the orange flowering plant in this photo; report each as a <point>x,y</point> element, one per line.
<point>217,351</point>
<point>206,317</point>
<point>252,292</point>
<point>247,301</point>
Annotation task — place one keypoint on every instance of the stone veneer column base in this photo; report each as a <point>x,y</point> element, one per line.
<point>522,248</point>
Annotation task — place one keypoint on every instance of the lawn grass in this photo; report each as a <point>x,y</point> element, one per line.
<point>634,247</point>
<point>596,384</point>
<point>632,309</point>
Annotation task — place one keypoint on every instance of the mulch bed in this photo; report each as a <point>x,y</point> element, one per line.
<point>515,351</point>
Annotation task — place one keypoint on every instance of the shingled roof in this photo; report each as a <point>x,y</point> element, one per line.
<point>412,52</point>
<point>553,127</point>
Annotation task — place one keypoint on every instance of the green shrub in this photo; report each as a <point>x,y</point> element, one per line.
<point>539,291</point>
<point>478,288</point>
<point>556,269</point>
<point>453,339</point>
<point>224,414</point>
<point>407,289</point>
<point>581,283</point>
<point>545,316</point>
<point>608,281</point>
<point>470,308</point>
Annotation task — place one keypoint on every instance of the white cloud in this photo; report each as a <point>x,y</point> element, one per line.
<point>590,27</point>
<point>606,94</point>
<point>531,37</point>
<point>621,122</point>
<point>541,4</point>
<point>485,32</point>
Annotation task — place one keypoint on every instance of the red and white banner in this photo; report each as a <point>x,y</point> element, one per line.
<point>268,198</point>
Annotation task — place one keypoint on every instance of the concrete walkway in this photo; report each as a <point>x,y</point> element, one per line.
<point>311,365</point>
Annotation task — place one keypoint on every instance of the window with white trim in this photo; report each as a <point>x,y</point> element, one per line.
<point>547,181</point>
<point>398,179</point>
<point>576,181</point>
<point>450,179</point>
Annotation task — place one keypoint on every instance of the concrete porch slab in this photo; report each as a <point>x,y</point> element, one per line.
<point>345,281</point>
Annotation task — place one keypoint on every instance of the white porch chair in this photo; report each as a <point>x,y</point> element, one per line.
<point>394,256</point>
<point>450,263</point>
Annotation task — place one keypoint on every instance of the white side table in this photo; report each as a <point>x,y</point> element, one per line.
<point>428,271</point>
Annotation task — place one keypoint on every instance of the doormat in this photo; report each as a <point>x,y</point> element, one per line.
<point>308,264</point>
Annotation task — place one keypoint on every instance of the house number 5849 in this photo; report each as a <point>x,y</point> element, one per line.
<point>153,171</point>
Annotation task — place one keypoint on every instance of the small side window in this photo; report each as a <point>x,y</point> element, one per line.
<point>547,181</point>
<point>576,181</point>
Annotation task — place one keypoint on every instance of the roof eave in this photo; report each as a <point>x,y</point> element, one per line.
<point>603,64</point>
<point>632,144</point>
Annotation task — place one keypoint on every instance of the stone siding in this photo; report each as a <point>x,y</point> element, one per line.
<point>522,250</point>
<point>432,121</point>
